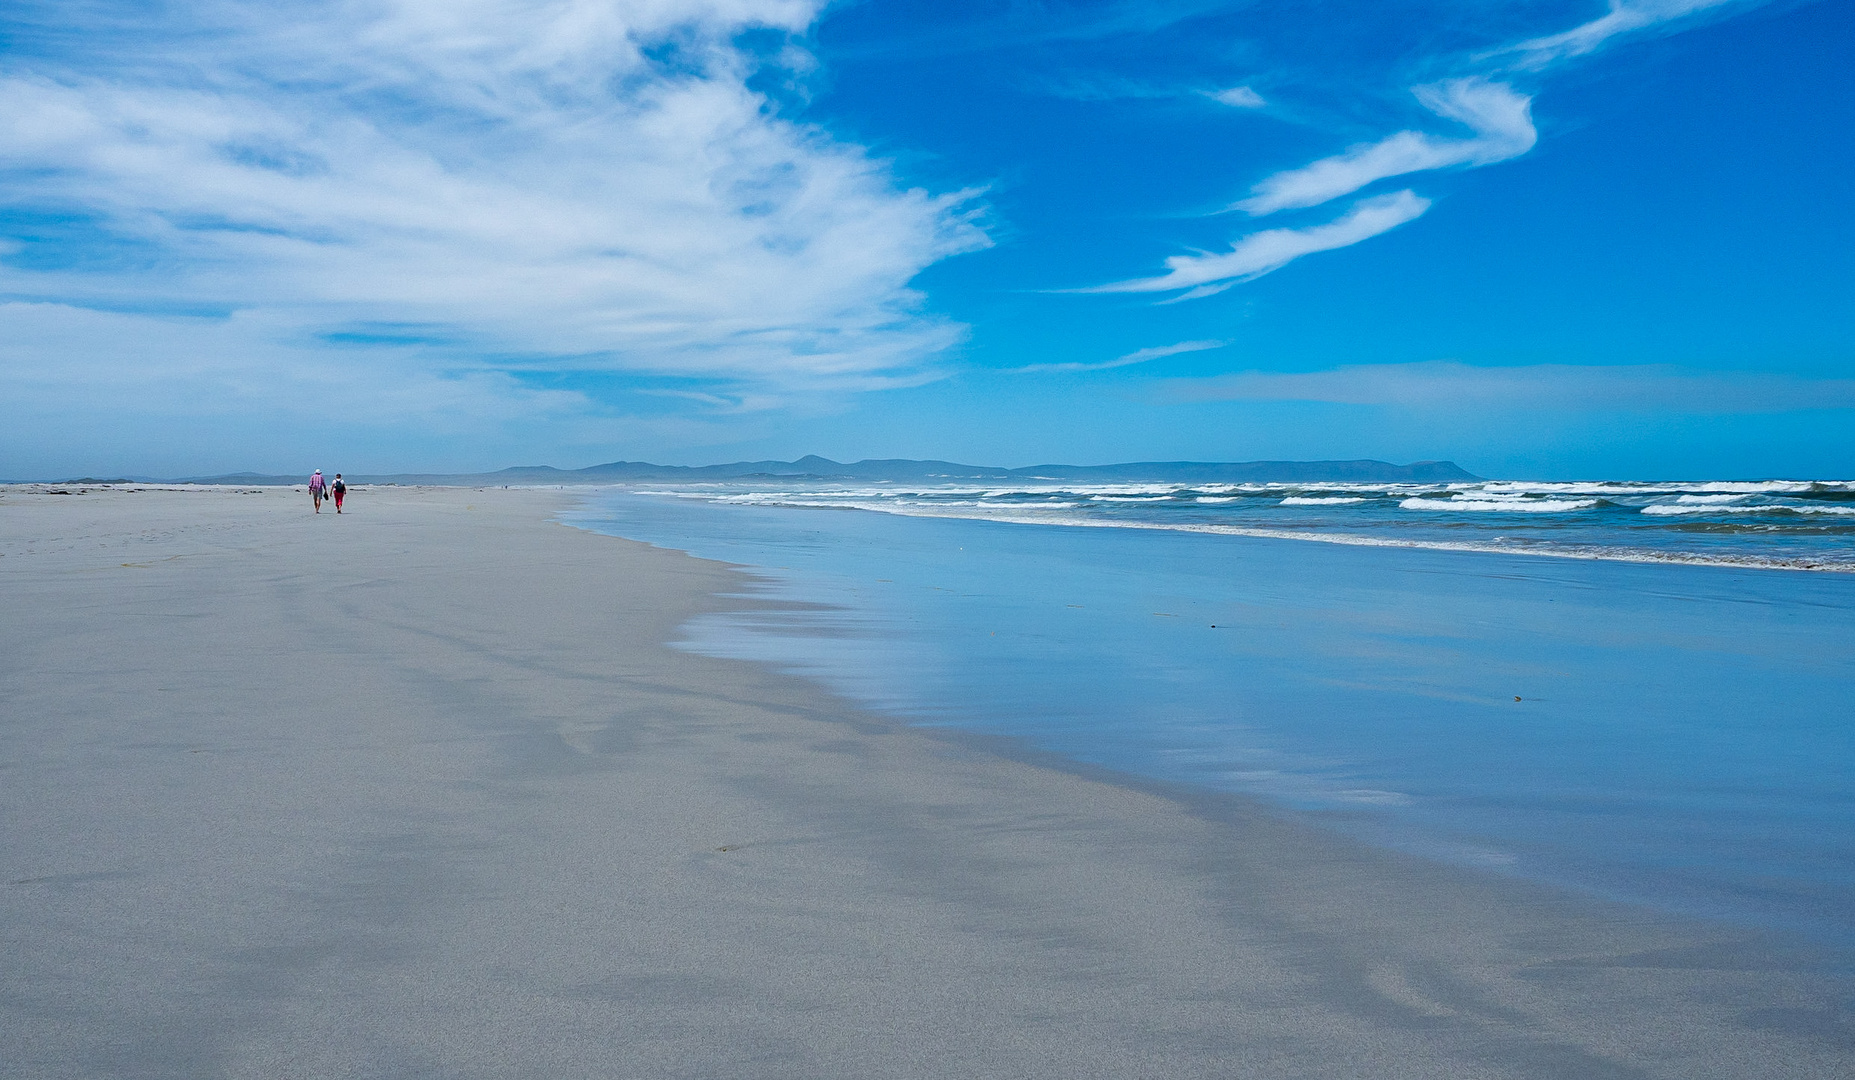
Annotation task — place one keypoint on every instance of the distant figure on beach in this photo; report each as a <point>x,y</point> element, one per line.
<point>339,489</point>
<point>316,487</point>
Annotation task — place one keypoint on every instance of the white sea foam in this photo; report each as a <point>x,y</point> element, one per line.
<point>1526,506</point>
<point>1641,489</point>
<point>1580,552</point>
<point>1751,487</point>
<point>1602,490</point>
<point>1161,490</point>
<point>1358,513</point>
<point>1694,492</point>
<point>1671,509</point>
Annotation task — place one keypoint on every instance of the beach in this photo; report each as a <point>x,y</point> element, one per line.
<point>420,790</point>
<point>1672,733</point>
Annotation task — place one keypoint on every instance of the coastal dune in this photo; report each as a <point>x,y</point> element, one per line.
<point>420,790</point>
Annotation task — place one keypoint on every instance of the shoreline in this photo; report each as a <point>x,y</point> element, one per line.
<point>585,491</point>
<point>526,837</point>
<point>1571,552</point>
<point>1423,753</point>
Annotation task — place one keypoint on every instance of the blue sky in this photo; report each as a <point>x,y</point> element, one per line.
<point>1542,239</point>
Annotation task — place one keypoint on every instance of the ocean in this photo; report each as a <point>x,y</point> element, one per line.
<point>1639,691</point>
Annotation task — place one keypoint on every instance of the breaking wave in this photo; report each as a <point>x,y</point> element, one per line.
<point>1523,506</point>
<point>1777,524</point>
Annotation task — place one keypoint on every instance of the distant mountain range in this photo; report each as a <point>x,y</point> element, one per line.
<point>902,470</point>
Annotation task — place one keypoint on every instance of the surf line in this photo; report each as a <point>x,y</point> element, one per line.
<point>1586,553</point>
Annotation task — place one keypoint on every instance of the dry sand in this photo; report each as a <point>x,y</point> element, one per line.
<point>418,791</point>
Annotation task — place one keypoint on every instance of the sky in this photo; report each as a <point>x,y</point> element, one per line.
<point>1545,240</point>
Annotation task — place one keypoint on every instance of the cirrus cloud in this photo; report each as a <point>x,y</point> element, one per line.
<point>1260,253</point>
<point>1500,118</point>
<point>1138,356</point>
<point>1624,16</point>
<point>566,185</point>
<point>1237,97</point>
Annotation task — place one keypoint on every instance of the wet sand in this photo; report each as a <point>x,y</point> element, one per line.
<point>418,790</point>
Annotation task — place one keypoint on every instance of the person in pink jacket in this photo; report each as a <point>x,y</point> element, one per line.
<point>317,486</point>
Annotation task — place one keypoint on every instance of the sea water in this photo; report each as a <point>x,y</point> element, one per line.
<point>1641,709</point>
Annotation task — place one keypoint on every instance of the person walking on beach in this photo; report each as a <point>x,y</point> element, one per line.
<point>316,487</point>
<point>339,489</point>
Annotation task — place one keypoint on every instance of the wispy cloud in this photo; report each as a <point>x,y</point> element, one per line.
<point>1499,117</point>
<point>1237,97</point>
<point>132,365</point>
<point>176,395</point>
<point>1099,87</point>
<point>1444,385</point>
<point>1262,252</point>
<point>1138,356</point>
<point>1624,16</point>
<point>567,185</point>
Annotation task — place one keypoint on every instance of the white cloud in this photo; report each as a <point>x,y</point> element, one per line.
<point>113,393</point>
<point>1138,356</point>
<point>1443,385</point>
<point>84,363</point>
<point>1237,97</point>
<point>1500,118</point>
<point>1259,253</point>
<point>576,184</point>
<point>1623,17</point>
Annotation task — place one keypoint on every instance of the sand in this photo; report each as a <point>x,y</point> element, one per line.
<point>419,791</point>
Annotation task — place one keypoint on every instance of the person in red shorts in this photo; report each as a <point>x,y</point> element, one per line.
<point>339,489</point>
